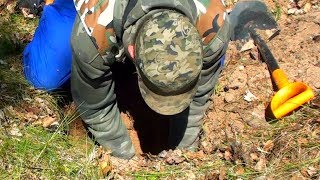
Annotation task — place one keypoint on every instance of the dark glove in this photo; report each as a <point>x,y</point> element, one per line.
<point>35,6</point>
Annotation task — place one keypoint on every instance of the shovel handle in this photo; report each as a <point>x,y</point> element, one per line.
<point>279,77</point>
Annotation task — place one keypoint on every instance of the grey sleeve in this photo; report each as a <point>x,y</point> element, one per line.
<point>92,88</point>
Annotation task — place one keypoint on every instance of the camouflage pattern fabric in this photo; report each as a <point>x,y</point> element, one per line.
<point>169,60</point>
<point>97,17</point>
<point>105,26</point>
<point>92,89</point>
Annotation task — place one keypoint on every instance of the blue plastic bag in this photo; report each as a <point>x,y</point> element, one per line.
<point>47,58</point>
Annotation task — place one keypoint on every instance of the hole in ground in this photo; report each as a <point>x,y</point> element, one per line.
<point>152,128</point>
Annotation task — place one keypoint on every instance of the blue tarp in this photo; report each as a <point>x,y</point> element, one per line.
<point>47,58</point>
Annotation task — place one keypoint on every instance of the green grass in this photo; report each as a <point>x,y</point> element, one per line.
<point>277,12</point>
<point>15,32</point>
<point>39,153</point>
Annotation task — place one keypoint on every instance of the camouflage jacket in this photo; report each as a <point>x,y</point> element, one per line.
<point>112,24</point>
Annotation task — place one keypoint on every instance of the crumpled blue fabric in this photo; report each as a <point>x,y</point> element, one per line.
<point>47,58</point>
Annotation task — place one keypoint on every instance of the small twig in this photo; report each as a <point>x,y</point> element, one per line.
<point>37,168</point>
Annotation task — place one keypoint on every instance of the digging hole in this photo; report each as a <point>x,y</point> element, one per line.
<point>152,128</point>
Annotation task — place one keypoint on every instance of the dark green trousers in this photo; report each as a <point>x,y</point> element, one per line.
<point>92,88</point>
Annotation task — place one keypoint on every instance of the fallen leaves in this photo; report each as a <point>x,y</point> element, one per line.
<point>302,141</point>
<point>309,172</point>
<point>10,6</point>
<point>105,165</point>
<point>48,121</point>
<point>261,164</point>
<point>254,157</point>
<point>190,175</point>
<point>195,155</point>
<point>239,171</point>
<point>227,155</point>
<point>268,146</point>
<point>14,131</point>
<point>174,157</point>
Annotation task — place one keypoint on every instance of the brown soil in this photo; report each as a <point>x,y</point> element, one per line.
<point>297,51</point>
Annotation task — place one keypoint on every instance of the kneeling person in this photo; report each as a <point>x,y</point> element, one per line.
<point>177,48</point>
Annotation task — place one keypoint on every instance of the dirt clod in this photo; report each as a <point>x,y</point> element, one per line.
<point>48,121</point>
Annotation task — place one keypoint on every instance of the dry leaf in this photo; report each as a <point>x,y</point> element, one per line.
<point>10,6</point>
<point>190,175</point>
<point>212,175</point>
<point>220,154</point>
<point>47,121</point>
<point>268,146</point>
<point>195,155</point>
<point>175,157</point>
<point>206,146</point>
<point>32,109</point>
<point>315,133</point>
<point>304,172</point>
<point>105,165</point>
<point>222,174</point>
<point>30,117</point>
<point>297,176</point>
<point>311,171</point>
<point>239,171</point>
<point>2,2</point>
<point>254,156</point>
<point>227,155</point>
<point>261,164</point>
<point>14,131</point>
<point>158,166</point>
<point>302,141</point>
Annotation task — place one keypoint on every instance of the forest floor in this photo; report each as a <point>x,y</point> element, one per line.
<point>42,136</point>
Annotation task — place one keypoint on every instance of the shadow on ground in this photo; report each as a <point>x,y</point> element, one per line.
<point>152,128</point>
